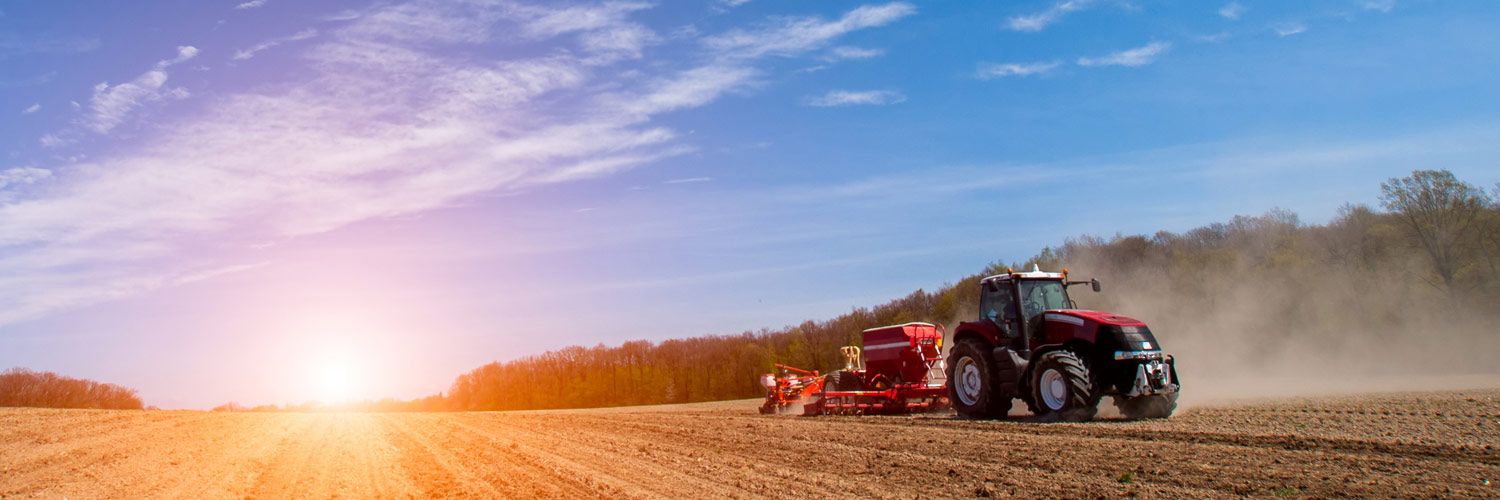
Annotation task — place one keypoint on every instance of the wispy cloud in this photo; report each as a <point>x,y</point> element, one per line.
<point>1139,56</point>
<point>110,105</point>
<point>248,53</point>
<point>32,109</point>
<point>790,36</point>
<point>846,53</point>
<point>382,122</point>
<point>604,31</point>
<point>1379,5</point>
<point>22,175</point>
<point>28,80</point>
<point>1213,38</point>
<point>252,4</point>
<point>856,98</point>
<point>989,71</point>
<point>1040,20</point>
<point>688,180</point>
<point>1289,29</point>
<point>1232,10</point>
<point>12,44</point>
<point>53,141</point>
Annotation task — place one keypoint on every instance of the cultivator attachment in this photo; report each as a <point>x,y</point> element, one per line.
<point>792,390</point>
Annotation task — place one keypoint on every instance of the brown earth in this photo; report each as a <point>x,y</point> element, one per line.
<point>1414,444</point>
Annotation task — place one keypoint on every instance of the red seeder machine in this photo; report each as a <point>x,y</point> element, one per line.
<point>900,370</point>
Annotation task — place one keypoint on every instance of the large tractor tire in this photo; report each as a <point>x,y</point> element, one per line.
<point>844,380</point>
<point>1142,407</point>
<point>841,380</point>
<point>972,385</point>
<point>1061,389</point>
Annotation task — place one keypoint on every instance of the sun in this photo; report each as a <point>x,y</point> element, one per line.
<point>337,381</point>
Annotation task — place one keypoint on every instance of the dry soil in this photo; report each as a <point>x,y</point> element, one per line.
<point>1399,444</point>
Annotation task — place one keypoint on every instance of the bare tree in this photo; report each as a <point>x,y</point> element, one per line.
<point>1441,211</point>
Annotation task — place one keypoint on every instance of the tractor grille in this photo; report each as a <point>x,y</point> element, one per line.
<point>1133,338</point>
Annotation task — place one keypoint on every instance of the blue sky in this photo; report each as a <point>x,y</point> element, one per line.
<point>219,200</point>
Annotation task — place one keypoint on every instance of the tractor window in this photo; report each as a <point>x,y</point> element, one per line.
<point>995,305</point>
<point>1040,295</point>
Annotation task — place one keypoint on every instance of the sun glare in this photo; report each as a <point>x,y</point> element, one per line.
<point>337,382</point>
<point>335,352</point>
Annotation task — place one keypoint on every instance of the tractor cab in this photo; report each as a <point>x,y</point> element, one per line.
<point>1015,302</point>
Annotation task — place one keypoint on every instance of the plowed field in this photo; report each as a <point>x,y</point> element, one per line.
<point>1418,444</point>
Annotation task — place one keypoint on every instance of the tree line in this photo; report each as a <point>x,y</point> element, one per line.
<point>1421,270</point>
<point>23,387</point>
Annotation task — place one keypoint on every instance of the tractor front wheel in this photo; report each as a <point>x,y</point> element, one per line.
<point>1061,389</point>
<point>971,382</point>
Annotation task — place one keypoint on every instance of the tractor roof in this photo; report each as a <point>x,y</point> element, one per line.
<point>1035,273</point>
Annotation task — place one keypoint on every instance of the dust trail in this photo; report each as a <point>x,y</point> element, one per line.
<point>1242,332</point>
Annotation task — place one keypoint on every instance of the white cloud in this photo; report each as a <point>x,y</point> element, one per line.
<point>733,3</point>
<point>856,98</point>
<point>1040,20</point>
<point>110,105</point>
<point>52,141</point>
<point>248,53</point>
<point>380,121</point>
<point>689,180</point>
<point>1289,29</point>
<point>252,4</point>
<point>22,175</point>
<point>791,36</point>
<point>990,71</point>
<point>687,89</point>
<point>846,53</point>
<point>1139,56</point>
<point>1379,5</point>
<point>1232,10</point>
<point>603,31</point>
<point>545,22</point>
<point>1214,38</point>
<point>184,53</point>
<point>32,109</point>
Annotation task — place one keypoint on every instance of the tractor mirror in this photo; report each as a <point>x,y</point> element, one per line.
<point>1094,283</point>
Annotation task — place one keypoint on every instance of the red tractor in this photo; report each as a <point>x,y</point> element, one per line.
<point>1032,343</point>
<point>900,370</point>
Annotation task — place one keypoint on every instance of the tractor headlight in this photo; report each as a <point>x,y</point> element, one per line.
<point>1137,355</point>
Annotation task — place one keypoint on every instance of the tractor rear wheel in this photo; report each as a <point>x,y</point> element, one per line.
<point>844,380</point>
<point>1061,389</point>
<point>1142,407</point>
<point>972,387</point>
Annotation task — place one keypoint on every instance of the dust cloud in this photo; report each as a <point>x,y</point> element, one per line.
<point>1242,333</point>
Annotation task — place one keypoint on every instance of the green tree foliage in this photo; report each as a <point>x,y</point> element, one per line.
<point>1442,214</point>
<point>22,387</point>
<point>1248,291</point>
